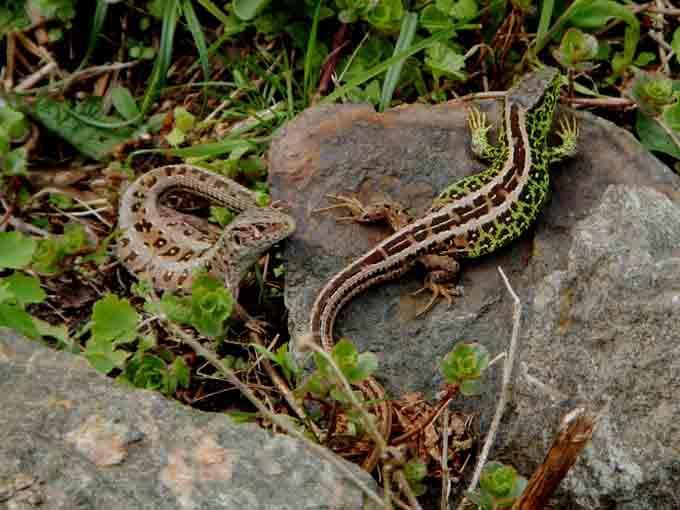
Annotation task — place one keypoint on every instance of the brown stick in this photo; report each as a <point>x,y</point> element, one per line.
<point>574,433</point>
<point>339,42</point>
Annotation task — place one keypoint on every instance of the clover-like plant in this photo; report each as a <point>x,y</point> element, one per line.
<point>652,93</point>
<point>464,365</point>
<point>576,50</point>
<point>499,487</point>
<point>207,308</point>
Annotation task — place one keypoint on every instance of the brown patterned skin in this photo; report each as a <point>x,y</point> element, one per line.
<point>167,247</point>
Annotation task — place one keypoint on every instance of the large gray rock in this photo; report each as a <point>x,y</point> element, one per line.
<point>598,277</point>
<point>71,438</point>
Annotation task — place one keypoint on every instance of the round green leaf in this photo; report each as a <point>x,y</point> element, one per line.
<point>248,9</point>
<point>115,320</point>
<point>25,289</point>
<point>16,250</point>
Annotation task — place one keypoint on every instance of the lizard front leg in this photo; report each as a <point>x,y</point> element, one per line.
<point>479,136</point>
<point>568,132</point>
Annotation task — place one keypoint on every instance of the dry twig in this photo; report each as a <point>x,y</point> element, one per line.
<point>575,431</point>
<point>505,389</point>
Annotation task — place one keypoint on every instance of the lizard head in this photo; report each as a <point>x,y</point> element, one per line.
<point>251,234</point>
<point>533,87</point>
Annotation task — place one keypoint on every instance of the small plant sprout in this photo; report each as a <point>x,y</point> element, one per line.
<point>464,365</point>
<point>576,50</point>
<point>499,487</point>
<point>652,94</point>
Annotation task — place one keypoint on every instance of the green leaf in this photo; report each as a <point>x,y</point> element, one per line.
<point>576,47</point>
<point>115,320</point>
<point>595,14</point>
<point>181,372</point>
<point>221,215</point>
<point>103,356</point>
<point>16,250</point>
<point>63,202</point>
<point>644,58</point>
<point>433,20</point>
<point>246,10</point>
<point>95,30</point>
<point>124,103</point>
<point>162,62</point>
<point>13,317</point>
<point>671,116</point>
<point>652,92</point>
<point>94,142</point>
<point>6,294</point>
<point>387,15</point>
<point>175,137</point>
<point>465,361</point>
<point>14,123</point>
<point>14,162</point>
<point>654,137</point>
<point>345,353</point>
<point>199,38</point>
<point>464,9</point>
<point>25,289</point>
<point>46,329</point>
<point>443,60</point>
<point>408,31</point>
<point>211,305</point>
<point>675,44</point>
<point>311,52</point>
<point>47,256</point>
<point>367,363</point>
<point>415,470</point>
<point>498,479</point>
<point>177,309</point>
<point>74,239</point>
<point>471,387</point>
<point>184,120</point>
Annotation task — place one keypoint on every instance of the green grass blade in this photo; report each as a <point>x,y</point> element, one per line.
<point>409,23</point>
<point>542,40</point>
<point>213,9</point>
<point>97,23</point>
<point>162,63</point>
<point>199,38</point>
<point>442,35</point>
<point>547,9</point>
<point>311,48</point>
<point>205,150</point>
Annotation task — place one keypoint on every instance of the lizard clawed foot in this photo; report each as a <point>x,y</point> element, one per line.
<point>446,290</point>
<point>479,128</point>
<point>568,132</point>
<point>391,212</point>
<point>443,271</point>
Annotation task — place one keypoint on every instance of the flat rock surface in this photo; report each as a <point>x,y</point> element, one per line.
<point>598,278</point>
<point>71,438</point>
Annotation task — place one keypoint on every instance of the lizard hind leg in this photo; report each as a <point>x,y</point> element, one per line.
<point>440,280</point>
<point>389,211</point>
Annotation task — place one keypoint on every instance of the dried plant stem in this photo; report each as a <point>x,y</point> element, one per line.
<point>451,391</point>
<point>369,424</point>
<point>505,389</point>
<point>282,423</point>
<point>283,388</point>
<point>575,431</point>
<point>446,481</point>
<point>34,78</point>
